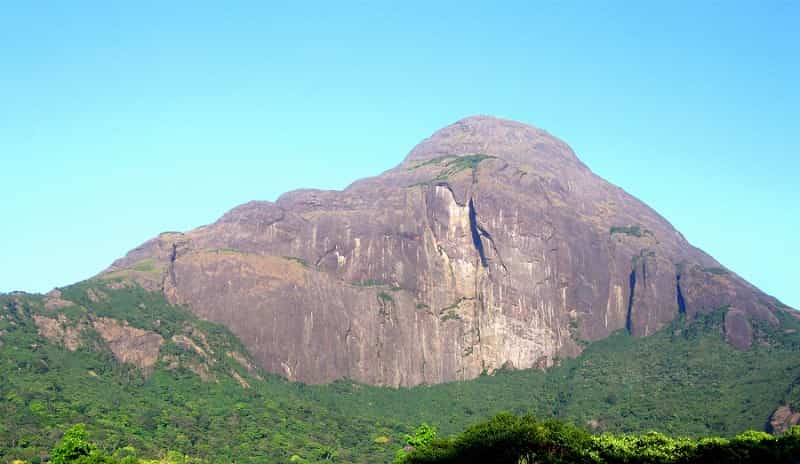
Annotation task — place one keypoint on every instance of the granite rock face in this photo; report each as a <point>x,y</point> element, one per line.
<point>129,344</point>
<point>491,245</point>
<point>782,419</point>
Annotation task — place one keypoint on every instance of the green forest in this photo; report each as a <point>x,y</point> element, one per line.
<point>666,393</point>
<point>509,439</point>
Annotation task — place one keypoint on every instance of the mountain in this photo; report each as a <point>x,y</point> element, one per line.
<point>490,246</point>
<point>488,250</point>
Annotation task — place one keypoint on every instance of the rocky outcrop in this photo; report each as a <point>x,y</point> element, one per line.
<point>737,329</point>
<point>59,330</point>
<point>490,245</point>
<point>202,370</point>
<point>130,344</point>
<point>240,380</point>
<point>54,302</point>
<point>188,344</point>
<point>244,362</point>
<point>783,419</point>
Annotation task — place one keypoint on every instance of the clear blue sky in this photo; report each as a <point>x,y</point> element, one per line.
<point>119,120</point>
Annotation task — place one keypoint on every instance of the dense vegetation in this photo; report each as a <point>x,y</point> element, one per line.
<point>508,439</point>
<point>685,380</point>
<point>46,388</point>
<point>513,440</point>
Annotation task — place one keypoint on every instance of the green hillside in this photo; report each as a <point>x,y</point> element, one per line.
<point>508,439</point>
<point>45,388</point>
<point>203,396</point>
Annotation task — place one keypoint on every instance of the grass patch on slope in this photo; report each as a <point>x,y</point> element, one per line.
<point>451,165</point>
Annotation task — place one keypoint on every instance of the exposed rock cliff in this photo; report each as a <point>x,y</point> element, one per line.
<point>783,419</point>
<point>129,344</point>
<point>490,245</point>
<point>59,330</point>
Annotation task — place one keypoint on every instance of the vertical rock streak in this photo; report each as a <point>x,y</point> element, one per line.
<point>476,233</point>
<point>681,301</point>
<point>628,318</point>
<point>170,274</point>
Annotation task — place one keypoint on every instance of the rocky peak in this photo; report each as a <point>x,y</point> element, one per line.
<point>491,245</point>
<point>254,214</point>
<point>509,140</point>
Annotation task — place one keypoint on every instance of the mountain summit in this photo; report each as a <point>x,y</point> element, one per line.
<point>491,245</point>
<point>509,140</point>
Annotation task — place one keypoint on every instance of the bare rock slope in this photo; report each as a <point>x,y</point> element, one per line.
<point>491,245</point>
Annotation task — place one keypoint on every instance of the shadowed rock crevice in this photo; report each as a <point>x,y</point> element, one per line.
<point>476,233</point>
<point>628,314</point>
<point>174,253</point>
<point>681,301</point>
<point>169,279</point>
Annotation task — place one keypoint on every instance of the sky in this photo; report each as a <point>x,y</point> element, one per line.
<point>121,120</point>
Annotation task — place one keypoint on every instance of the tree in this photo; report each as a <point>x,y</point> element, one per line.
<point>74,445</point>
<point>75,448</point>
<point>421,438</point>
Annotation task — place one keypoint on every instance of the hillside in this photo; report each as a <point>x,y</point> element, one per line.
<point>144,373</point>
